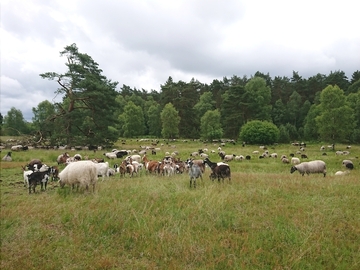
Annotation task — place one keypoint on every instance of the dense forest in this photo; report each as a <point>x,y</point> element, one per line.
<point>95,110</point>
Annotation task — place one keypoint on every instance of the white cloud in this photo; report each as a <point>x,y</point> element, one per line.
<point>141,43</point>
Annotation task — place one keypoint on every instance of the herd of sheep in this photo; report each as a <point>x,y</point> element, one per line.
<point>79,172</point>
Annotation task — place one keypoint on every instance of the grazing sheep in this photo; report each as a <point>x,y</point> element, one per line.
<point>285,160</point>
<point>348,164</point>
<point>248,157</point>
<point>273,155</point>
<point>83,173</point>
<point>315,166</point>
<point>240,157</point>
<point>194,172</point>
<point>134,158</point>
<point>295,160</point>
<point>226,157</point>
<point>111,155</point>
<point>7,157</point>
<point>304,156</point>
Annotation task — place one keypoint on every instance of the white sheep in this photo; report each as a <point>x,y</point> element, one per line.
<point>102,169</point>
<point>295,160</point>
<point>315,166</point>
<point>341,173</point>
<point>111,155</point>
<point>239,157</point>
<point>83,173</point>
<point>285,160</point>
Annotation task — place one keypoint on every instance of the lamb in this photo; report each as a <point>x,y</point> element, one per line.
<point>341,173</point>
<point>315,166</point>
<point>7,157</point>
<point>82,173</point>
<point>194,172</point>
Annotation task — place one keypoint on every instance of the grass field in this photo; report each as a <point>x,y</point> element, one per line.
<point>266,218</point>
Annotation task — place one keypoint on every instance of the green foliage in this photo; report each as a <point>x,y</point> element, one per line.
<point>336,121</point>
<point>134,123</point>
<point>14,123</point>
<point>88,101</point>
<point>257,99</point>
<point>211,126</point>
<point>170,122</point>
<point>154,121</point>
<point>259,132</point>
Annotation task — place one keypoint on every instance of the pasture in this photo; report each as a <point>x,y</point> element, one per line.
<point>266,218</point>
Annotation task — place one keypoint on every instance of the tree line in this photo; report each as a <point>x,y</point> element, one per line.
<point>93,111</point>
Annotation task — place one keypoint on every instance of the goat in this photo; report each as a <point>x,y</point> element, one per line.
<point>194,172</point>
<point>61,159</point>
<point>218,170</point>
<point>41,177</point>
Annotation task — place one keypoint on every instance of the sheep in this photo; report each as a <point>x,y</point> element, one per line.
<point>7,157</point>
<point>315,166</point>
<point>226,157</point>
<point>79,173</point>
<point>273,155</point>
<point>16,147</point>
<point>348,164</point>
<point>102,169</point>
<point>240,157</point>
<point>295,160</point>
<point>341,173</point>
<point>110,155</point>
<point>194,172</point>
<point>304,156</point>
<point>285,160</point>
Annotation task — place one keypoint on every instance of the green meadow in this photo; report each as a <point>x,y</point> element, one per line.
<point>265,218</point>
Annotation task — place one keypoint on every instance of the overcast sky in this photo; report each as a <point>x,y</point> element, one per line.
<point>142,43</point>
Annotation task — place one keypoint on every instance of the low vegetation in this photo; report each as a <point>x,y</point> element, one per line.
<point>266,218</point>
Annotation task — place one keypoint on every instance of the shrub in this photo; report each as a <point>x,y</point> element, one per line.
<point>259,132</point>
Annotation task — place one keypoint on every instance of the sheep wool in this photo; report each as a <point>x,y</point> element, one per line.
<point>315,166</point>
<point>83,173</point>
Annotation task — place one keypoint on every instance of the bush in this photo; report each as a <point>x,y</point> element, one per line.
<point>259,132</point>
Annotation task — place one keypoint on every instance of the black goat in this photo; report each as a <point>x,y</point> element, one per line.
<point>38,177</point>
<point>219,170</point>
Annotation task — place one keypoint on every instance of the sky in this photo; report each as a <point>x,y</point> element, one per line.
<point>140,43</point>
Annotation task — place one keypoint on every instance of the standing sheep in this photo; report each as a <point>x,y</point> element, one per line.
<point>79,173</point>
<point>348,164</point>
<point>315,166</point>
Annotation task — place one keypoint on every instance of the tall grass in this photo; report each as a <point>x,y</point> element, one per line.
<point>266,218</point>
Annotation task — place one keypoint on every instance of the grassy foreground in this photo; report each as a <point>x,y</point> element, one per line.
<point>266,218</point>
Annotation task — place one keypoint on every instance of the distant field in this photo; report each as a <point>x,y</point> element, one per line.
<point>266,218</point>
